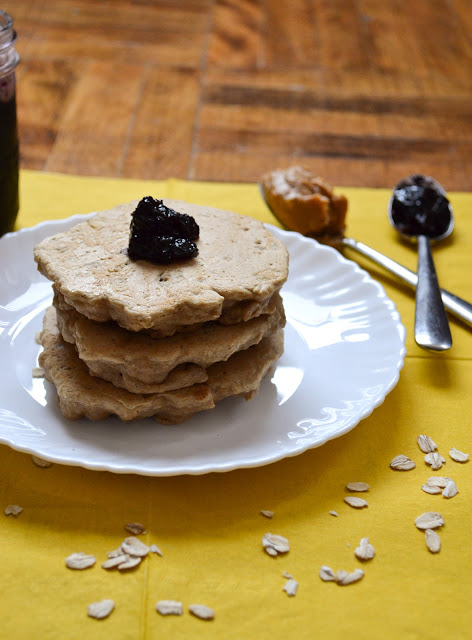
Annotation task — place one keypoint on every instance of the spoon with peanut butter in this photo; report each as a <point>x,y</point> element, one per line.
<point>303,202</point>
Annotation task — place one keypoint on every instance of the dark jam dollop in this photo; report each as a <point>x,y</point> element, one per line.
<point>160,234</point>
<point>419,207</point>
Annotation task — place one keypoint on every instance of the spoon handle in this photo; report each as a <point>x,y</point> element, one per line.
<point>457,306</point>
<point>431,324</point>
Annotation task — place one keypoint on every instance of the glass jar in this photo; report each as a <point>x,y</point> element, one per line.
<point>9,151</point>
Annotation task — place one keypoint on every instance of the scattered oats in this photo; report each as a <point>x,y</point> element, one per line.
<point>115,553</point>
<point>402,463</point>
<point>437,481</point>
<point>274,544</point>
<point>357,486</point>
<point>37,337</point>
<point>80,560</point>
<point>38,372</point>
<point>111,563</point>
<point>201,611</point>
<point>432,489</point>
<point>134,547</point>
<point>327,574</point>
<point>169,608</point>
<point>429,520</point>
<point>155,549</point>
<point>130,563</point>
<point>266,513</point>
<point>135,528</point>
<point>365,551</point>
<point>287,575</point>
<point>100,610</point>
<point>348,545</point>
<point>333,513</point>
<point>458,456</point>
<point>434,459</point>
<point>450,490</point>
<point>13,510</point>
<point>39,462</point>
<point>344,577</point>
<point>357,503</point>
<point>290,587</point>
<point>426,444</point>
<point>433,541</point>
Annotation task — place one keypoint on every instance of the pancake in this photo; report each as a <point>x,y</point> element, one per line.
<point>240,265</point>
<point>142,364</point>
<point>82,395</point>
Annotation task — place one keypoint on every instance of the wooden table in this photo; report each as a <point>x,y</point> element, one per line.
<point>362,92</point>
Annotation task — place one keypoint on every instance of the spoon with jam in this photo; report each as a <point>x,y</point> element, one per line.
<point>419,210</point>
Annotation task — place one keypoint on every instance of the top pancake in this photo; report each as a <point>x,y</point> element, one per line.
<point>239,261</point>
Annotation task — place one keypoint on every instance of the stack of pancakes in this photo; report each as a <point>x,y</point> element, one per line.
<point>137,339</point>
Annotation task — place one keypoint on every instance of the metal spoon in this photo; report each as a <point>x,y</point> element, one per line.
<point>457,306</point>
<point>419,210</point>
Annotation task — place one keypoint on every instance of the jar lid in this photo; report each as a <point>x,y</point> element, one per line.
<point>9,57</point>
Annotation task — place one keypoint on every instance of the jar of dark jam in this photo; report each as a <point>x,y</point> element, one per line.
<point>9,152</point>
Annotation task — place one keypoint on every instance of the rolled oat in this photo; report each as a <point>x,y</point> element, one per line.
<point>402,463</point>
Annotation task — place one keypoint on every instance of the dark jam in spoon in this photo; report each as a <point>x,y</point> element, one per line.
<point>420,208</point>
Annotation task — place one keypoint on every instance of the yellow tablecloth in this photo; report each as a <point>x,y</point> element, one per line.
<point>209,527</point>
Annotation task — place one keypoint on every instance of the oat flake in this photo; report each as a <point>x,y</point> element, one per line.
<point>402,463</point>
<point>365,551</point>
<point>130,563</point>
<point>434,459</point>
<point>327,574</point>
<point>333,513</point>
<point>38,372</point>
<point>169,608</point>
<point>357,486</point>
<point>274,544</point>
<point>357,503</point>
<point>201,611</point>
<point>344,577</point>
<point>290,587</point>
<point>432,489</point>
<point>13,510</point>
<point>458,456</point>
<point>136,528</point>
<point>134,547</point>
<point>450,490</point>
<point>437,481</point>
<point>80,561</point>
<point>433,541</point>
<point>155,549</point>
<point>429,520</point>
<point>39,462</point>
<point>426,444</point>
<point>100,610</point>
<point>115,561</point>
<point>266,513</point>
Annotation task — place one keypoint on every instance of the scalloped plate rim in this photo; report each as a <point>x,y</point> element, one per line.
<point>198,469</point>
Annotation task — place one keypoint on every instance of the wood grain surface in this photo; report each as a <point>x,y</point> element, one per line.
<point>362,92</point>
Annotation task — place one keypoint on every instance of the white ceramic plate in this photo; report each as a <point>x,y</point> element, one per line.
<point>344,348</point>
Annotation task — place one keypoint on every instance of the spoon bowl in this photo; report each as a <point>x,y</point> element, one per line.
<point>419,206</point>
<point>419,209</point>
